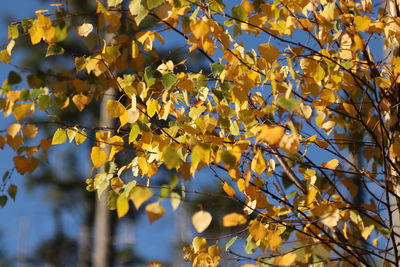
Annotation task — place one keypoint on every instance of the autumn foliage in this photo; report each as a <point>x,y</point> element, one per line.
<point>292,97</point>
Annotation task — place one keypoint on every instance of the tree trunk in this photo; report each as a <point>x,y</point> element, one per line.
<point>102,249</point>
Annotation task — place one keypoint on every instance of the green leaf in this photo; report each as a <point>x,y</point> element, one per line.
<point>135,131</point>
<point>110,167</point>
<point>289,103</point>
<point>13,78</point>
<point>44,102</point>
<point>5,57</point>
<point>250,247</point>
<point>112,200</point>
<point>153,3</point>
<point>54,49</point>
<point>169,80</point>
<point>61,33</point>
<point>6,175</point>
<point>128,188</point>
<point>171,158</point>
<point>25,95</point>
<point>216,68</point>
<point>26,24</point>
<point>6,87</point>
<point>173,180</point>
<point>36,93</point>
<point>238,12</point>
<point>138,10</point>
<point>230,242</point>
<point>228,158</point>
<point>3,200</point>
<point>13,31</point>
<point>217,6</point>
<point>151,75</point>
<point>12,191</point>
<point>164,192</point>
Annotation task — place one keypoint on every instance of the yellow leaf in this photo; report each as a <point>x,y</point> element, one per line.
<point>312,192</point>
<point>332,164</point>
<point>36,33</point>
<point>139,195</point>
<point>304,111</point>
<point>257,230</point>
<point>199,28</point>
<point>152,106</point>
<point>198,243</point>
<point>115,108</point>
<point>228,189</point>
<point>80,101</point>
<point>362,22</point>
<point>350,109</point>
<point>59,137</point>
<point>98,156</point>
<point>135,50</point>
<point>258,164</point>
<point>30,131</point>
<point>329,12</point>
<point>367,231</point>
<point>290,143</point>
<point>21,110</point>
<point>274,240</point>
<point>84,30</point>
<point>117,144</point>
<point>80,137</point>
<point>233,219</point>
<point>271,135</point>
<point>201,220</point>
<point>285,260</point>
<point>329,215</point>
<point>13,129</point>
<point>268,52</point>
<point>154,211</point>
<point>122,206</point>
<point>123,118</point>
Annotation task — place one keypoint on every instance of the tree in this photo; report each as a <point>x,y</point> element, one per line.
<point>292,88</point>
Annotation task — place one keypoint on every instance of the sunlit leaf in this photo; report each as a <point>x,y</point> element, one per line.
<point>201,220</point>
<point>98,156</point>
